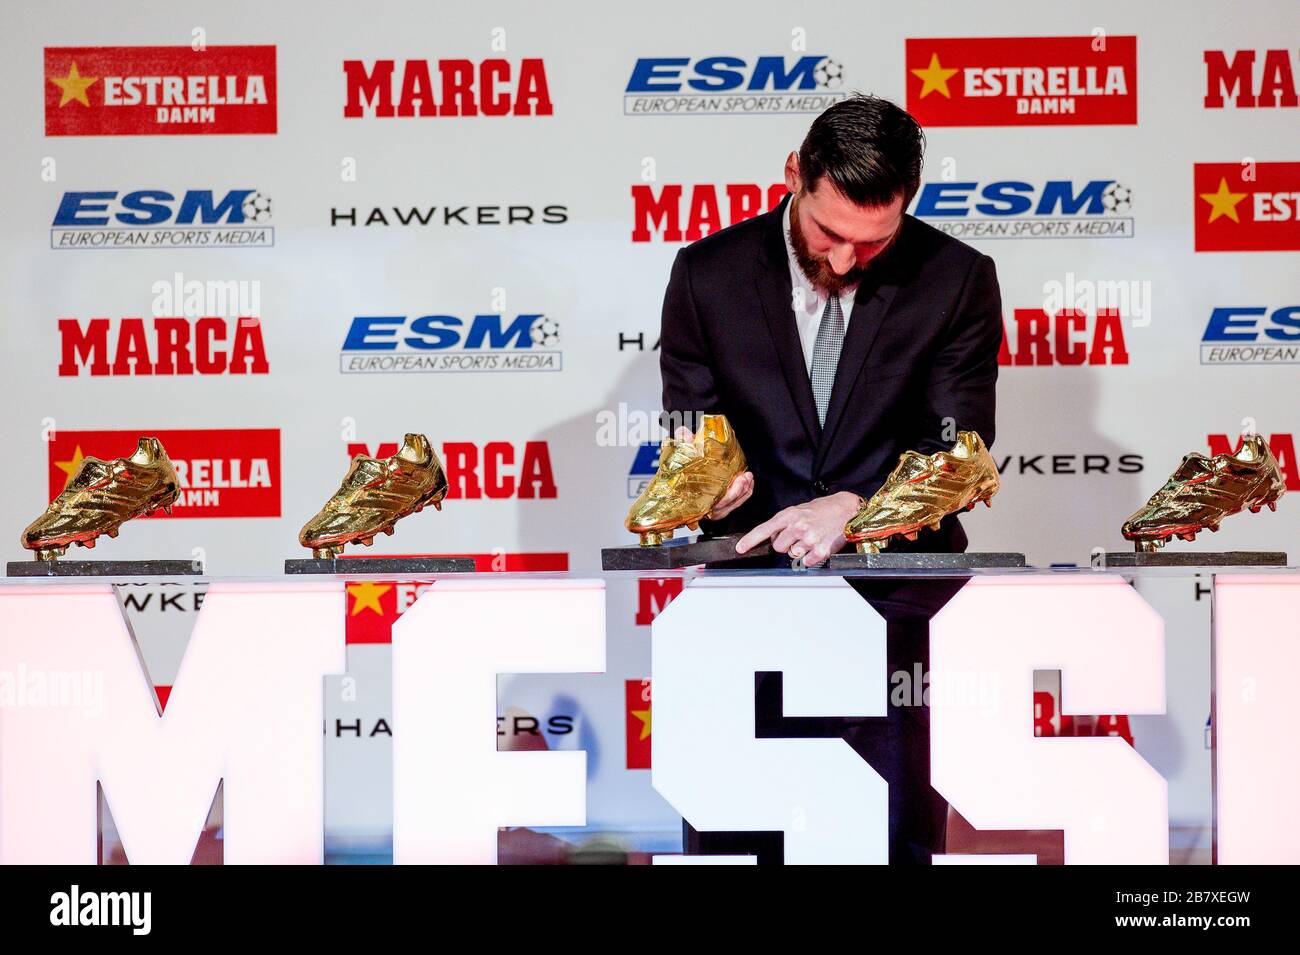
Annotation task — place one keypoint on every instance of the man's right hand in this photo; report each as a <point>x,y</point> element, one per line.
<point>738,491</point>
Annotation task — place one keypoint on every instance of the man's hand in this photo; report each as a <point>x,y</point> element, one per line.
<point>738,491</point>
<point>809,532</point>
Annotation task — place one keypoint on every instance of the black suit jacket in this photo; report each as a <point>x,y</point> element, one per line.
<point>921,349</point>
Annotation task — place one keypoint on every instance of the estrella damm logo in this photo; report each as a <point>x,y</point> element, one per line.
<point>1247,207</point>
<point>1022,81</point>
<point>224,472</point>
<point>159,90</point>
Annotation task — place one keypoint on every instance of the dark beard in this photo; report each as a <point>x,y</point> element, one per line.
<point>819,271</point>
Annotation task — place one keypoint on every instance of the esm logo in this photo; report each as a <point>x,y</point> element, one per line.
<point>389,344</point>
<point>159,219</point>
<point>1252,335</point>
<point>712,85</point>
<point>1012,209</point>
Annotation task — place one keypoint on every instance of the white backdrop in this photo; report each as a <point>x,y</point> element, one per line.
<point>599,291</point>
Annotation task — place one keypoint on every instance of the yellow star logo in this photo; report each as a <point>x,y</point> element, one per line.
<point>644,717</point>
<point>1223,202</point>
<point>74,86</point>
<point>71,467</point>
<point>365,596</point>
<point>934,78</point>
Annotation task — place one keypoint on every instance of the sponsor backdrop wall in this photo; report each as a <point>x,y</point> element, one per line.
<point>277,235</point>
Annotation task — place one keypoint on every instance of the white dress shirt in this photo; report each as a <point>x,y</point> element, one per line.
<point>806,301</point>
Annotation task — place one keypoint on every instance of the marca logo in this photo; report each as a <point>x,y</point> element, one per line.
<point>1250,79</point>
<point>382,344</point>
<point>1012,209</point>
<point>1023,81</point>
<point>644,466</point>
<point>1068,337</point>
<point>223,473</point>
<point>491,471</point>
<point>1282,446</point>
<point>637,699</point>
<point>450,215</point>
<point>491,87</point>
<point>374,606</point>
<point>159,90</point>
<point>654,594</point>
<point>177,346</point>
<point>1247,208</point>
<point>710,85</point>
<point>157,219</point>
<point>661,216</point>
<point>1252,335</point>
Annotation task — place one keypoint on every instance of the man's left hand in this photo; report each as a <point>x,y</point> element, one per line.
<point>809,532</point>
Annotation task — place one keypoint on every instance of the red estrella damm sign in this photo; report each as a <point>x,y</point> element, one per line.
<point>159,90</point>
<point>223,472</point>
<point>1023,81</point>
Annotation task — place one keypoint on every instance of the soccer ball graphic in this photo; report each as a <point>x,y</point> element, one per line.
<point>257,208</point>
<point>545,331</point>
<point>1117,198</point>
<point>829,74</point>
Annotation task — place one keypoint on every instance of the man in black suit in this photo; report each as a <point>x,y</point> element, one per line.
<point>836,332</point>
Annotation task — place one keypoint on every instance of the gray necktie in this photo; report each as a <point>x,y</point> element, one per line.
<point>826,355</point>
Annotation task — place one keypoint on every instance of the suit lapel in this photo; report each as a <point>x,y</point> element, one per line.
<point>774,291</point>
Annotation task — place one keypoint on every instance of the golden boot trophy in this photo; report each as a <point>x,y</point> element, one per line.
<point>1203,491</point>
<point>377,493</point>
<point>922,490</point>
<point>101,497</point>
<point>692,477</point>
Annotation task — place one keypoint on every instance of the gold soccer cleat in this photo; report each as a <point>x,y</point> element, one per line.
<point>923,490</point>
<point>377,493</point>
<point>692,477</point>
<point>1203,491</point>
<point>101,497</point>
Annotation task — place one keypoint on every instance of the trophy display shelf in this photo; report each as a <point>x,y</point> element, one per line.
<point>104,568</point>
<point>1225,558</point>
<point>679,552</point>
<point>417,566</point>
<point>918,560</point>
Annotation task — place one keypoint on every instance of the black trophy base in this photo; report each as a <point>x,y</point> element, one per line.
<point>1227,558</point>
<point>912,560</point>
<point>678,552</point>
<point>104,568</point>
<point>380,565</point>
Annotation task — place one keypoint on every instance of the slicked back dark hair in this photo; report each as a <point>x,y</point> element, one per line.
<point>870,149</point>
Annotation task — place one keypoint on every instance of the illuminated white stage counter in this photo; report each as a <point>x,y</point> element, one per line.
<point>78,710</point>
